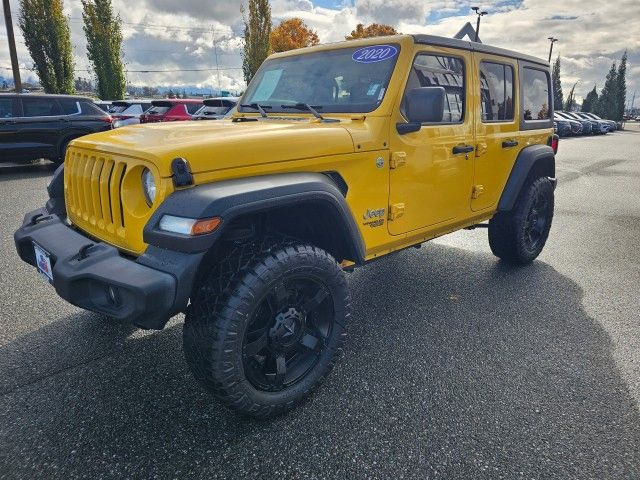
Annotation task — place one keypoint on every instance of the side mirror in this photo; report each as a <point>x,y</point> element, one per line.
<point>422,105</point>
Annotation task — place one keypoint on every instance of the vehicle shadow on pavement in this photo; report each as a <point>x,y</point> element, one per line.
<point>26,171</point>
<point>456,366</point>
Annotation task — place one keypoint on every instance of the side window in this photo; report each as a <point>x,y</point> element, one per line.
<point>69,106</point>
<point>193,107</point>
<point>430,70</point>
<point>7,108</point>
<point>536,93</point>
<point>40,107</point>
<point>90,108</point>
<point>496,91</point>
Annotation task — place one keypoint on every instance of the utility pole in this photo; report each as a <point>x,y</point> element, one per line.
<point>480,15</point>
<point>12,46</point>
<point>552,40</point>
<point>215,51</point>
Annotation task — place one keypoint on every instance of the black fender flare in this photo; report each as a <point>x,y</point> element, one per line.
<point>538,157</point>
<point>230,199</point>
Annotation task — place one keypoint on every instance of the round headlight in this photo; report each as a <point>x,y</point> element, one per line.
<point>149,186</point>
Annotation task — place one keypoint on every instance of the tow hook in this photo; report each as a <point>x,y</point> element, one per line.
<point>83,252</point>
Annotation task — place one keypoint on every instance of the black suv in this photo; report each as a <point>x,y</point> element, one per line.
<point>36,126</point>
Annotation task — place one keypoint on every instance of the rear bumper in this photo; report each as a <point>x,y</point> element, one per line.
<point>147,290</point>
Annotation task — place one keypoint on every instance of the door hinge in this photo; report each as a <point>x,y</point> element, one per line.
<point>481,149</point>
<point>396,211</point>
<point>398,159</point>
<point>477,191</point>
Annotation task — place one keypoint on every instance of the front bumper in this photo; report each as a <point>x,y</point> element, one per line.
<point>147,290</point>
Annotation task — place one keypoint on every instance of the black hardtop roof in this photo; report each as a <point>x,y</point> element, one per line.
<point>46,95</point>
<point>476,47</point>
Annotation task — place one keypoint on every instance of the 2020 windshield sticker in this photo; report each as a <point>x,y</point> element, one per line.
<point>374,53</point>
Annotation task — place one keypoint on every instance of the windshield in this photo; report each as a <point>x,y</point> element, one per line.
<point>344,80</point>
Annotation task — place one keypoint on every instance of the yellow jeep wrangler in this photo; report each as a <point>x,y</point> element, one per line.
<point>336,155</point>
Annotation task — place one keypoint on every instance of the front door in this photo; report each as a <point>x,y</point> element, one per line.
<point>432,169</point>
<point>497,132</point>
<point>9,147</point>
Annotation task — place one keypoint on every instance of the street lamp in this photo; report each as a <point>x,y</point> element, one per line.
<point>552,40</point>
<point>480,15</point>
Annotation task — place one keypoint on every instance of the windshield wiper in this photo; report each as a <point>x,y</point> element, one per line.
<point>307,107</point>
<point>257,106</point>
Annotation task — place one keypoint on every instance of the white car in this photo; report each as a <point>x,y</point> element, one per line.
<point>127,112</point>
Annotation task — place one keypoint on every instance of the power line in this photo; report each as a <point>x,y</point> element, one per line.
<point>177,70</point>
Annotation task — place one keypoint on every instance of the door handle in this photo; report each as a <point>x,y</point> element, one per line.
<point>463,149</point>
<point>509,143</point>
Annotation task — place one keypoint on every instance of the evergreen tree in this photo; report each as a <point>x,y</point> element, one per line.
<point>590,101</point>
<point>558,97</point>
<point>571,99</point>
<point>605,107</point>
<point>104,48</point>
<point>621,89</point>
<point>46,34</point>
<point>257,30</point>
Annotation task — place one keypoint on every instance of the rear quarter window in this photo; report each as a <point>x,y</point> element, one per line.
<point>90,108</point>
<point>536,94</point>
<point>193,107</point>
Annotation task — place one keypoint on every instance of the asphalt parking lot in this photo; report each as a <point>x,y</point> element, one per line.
<point>456,365</point>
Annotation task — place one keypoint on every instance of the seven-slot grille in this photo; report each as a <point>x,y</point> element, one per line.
<point>93,190</point>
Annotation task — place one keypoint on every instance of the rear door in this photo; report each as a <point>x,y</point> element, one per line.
<point>497,130</point>
<point>10,148</point>
<point>40,126</point>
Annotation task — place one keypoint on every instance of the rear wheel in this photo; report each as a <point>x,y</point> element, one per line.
<point>265,326</point>
<point>518,236</point>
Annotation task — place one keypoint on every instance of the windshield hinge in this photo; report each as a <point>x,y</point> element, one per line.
<point>182,176</point>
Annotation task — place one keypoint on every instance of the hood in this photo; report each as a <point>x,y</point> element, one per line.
<point>223,144</point>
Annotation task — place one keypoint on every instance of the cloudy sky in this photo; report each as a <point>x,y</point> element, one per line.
<point>178,35</point>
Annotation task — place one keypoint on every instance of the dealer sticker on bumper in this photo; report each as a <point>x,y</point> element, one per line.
<point>43,261</point>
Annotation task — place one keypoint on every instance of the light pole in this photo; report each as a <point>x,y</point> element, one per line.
<point>480,15</point>
<point>552,40</point>
<point>12,46</point>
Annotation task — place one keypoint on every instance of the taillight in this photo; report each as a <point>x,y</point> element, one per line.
<point>553,142</point>
<point>107,119</point>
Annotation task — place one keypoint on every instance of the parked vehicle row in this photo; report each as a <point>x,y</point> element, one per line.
<point>36,126</point>
<point>581,123</point>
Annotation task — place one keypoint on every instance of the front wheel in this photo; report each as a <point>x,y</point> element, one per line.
<point>266,325</point>
<point>519,236</point>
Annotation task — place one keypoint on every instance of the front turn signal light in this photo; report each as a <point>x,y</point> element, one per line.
<point>189,226</point>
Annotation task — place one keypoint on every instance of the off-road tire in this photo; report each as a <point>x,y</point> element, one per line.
<point>222,310</point>
<point>509,232</point>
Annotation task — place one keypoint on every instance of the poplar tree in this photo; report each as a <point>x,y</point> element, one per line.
<point>104,48</point>
<point>46,34</point>
<point>621,89</point>
<point>257,31</point>
<point>558,97</point>
<point>605,106</point>
<point>589,102</point>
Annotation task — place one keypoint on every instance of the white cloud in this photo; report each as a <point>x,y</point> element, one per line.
<point>171,34</point>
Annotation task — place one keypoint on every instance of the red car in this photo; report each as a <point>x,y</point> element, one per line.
<point>171,110</point>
